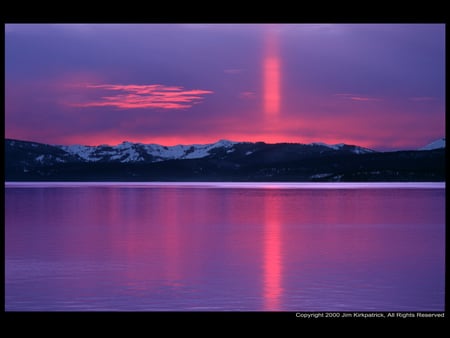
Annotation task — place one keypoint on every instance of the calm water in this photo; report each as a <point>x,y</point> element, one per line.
<point>233,247</point>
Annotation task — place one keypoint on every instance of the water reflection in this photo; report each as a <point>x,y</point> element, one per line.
<point>170,215</point>
<point>128,248</point>
<point>272,253</point>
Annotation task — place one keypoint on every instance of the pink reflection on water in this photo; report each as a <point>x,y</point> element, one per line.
<point>272,253</point>
<point>229,249</point>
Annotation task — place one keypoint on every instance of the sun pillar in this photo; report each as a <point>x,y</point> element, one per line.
<point>271,71</point>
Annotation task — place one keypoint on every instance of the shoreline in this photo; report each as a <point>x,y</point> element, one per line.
<point>241,185</point>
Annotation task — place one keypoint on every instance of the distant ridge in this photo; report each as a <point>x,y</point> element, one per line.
<point>221,161</point>
<point>139,152</point>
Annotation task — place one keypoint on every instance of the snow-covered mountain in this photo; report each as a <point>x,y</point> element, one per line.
<point>137,152</point>
<point>438,144</point>
<point>223,160</point>
<point>355,149</point>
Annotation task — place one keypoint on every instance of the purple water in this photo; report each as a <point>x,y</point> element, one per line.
<point>219,246</point>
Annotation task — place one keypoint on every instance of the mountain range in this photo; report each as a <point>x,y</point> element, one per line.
<point>221,161</point>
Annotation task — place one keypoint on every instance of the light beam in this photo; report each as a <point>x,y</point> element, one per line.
<point>271,71</point>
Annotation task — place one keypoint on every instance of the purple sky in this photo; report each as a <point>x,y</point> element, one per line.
<point>376,85</point>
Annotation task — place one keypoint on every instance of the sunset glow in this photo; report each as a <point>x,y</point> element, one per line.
<point>377,86</point>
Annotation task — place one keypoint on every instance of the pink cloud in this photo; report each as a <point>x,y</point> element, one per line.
<point>247,95</point>
<point>144,96</point>
<point>356,97</point>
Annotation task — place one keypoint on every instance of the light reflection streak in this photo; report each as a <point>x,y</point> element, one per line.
<point>272,254</point>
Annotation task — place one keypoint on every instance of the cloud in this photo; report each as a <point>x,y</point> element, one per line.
<point>233,71</point>
<point>356,97</point>
<point>144,96</point>
<point>247,95</point>
<point>422,98</point>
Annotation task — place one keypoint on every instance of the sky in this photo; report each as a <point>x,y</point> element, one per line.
<point>380,86</point>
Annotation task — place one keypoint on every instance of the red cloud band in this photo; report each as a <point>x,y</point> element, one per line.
<point>145,96</point>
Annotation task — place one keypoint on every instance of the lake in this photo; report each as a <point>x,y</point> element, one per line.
<point>224,247</point>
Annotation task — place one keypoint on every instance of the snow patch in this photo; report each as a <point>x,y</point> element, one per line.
<point>338,146</point>
<point>85,152</point>
<point>359,150</point>
<point>438,144</point>
<point>321,175</point>
<point>186,151</point>
<point>332,146</point>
